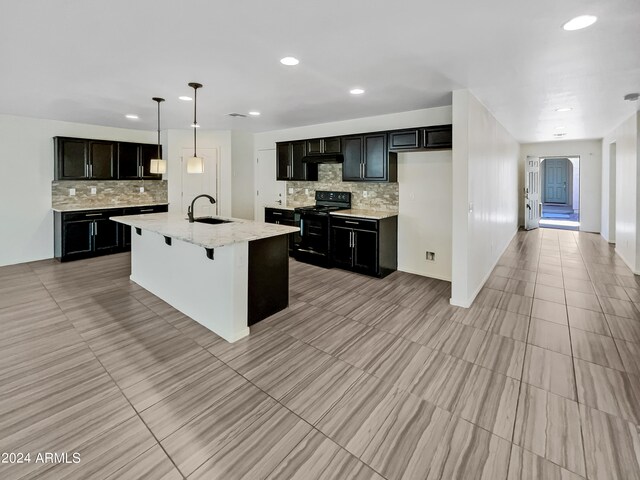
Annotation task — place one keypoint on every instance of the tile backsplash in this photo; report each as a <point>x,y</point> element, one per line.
<point>108,192</point>
<point>380,196</point>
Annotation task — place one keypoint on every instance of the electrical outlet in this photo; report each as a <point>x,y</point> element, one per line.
<point>365,194</point>
<point>141,189</point>
<point>93,190</point>
<point>290,191</point>
<point>431,256</point>
<point>72,192</point>
<point>306,191</point>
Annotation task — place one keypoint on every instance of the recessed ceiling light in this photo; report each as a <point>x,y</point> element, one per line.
<point>583,21</point>
<point>558,135</point>
<point>185,98</point>
<point>254,113</point>
<point>564,109</point>
<point>356,91</point>
<point>289,61</point>
<point>131,116</point>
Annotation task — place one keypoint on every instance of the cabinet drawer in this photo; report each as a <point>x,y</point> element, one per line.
<point>144,210</point>
<point>90,214</point>
<point>354,222</point>
<point>281,215</point>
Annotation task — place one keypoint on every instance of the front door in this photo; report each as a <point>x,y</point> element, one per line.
<point>556,171</point>
<point>532,205</point>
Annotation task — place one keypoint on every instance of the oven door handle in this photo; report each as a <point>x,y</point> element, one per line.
<point>301,227</point>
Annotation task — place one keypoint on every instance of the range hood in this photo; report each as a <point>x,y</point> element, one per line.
<point>323,158</point>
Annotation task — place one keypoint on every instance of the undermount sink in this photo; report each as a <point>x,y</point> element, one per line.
<point>211,220</point>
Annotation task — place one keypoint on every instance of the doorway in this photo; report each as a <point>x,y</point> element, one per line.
<point>560,182</point>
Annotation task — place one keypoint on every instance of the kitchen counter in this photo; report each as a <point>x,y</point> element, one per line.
<point>225,277</point>
<point>363,213</point>
<point>279,207</point>
<point>176,226</point>
<point>105,207</point>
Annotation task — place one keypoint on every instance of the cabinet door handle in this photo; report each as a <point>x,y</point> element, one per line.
<point>146,210</point>
<point>95,228</point>
<point>276,213</point>
<point>352,223</point>
<point>93,215</point>
<point>362,170</point>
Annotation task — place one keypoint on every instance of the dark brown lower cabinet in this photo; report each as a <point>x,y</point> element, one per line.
<point>90,233</point>
<point>364,245</point>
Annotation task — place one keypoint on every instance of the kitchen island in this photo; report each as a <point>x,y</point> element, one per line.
<point>226,276</point>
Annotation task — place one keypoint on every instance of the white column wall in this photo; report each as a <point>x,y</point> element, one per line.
<point>626,137</point>
<point>485,203</point>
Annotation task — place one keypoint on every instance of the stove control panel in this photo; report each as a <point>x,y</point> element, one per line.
<point>342,197</point>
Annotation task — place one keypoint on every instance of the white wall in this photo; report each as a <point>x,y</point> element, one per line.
<point>175,141</point>
<point>626,137</point>
<point>424,220</point>
<point>26,163</point>
<point>242,172</point>
<point>590,153</point>
<point>485,200</point>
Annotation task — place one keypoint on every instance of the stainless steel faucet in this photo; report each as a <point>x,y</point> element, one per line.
<point>190,209</point>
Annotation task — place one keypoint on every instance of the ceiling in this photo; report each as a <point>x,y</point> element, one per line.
<point>94,61</point>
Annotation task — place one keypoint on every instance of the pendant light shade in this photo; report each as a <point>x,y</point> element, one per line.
<point>195,164</point>
<point>158,165</point>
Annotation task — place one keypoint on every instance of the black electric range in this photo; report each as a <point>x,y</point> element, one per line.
<point>314,243</point>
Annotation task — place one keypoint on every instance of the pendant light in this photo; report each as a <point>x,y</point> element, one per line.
<point>158,165</point>
<point>195,164</point>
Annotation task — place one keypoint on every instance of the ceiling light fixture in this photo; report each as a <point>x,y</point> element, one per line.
<point>185,98</point>
<point>195,164</point>
<point>564,109</point>
<point>632,97</point>
<point>158,165</point>
<point>289,61</point>
<point>578,23</point>
<point>131,116</point>
<point>356,91</point>
<point>558,135</point>
<point>254,113</point>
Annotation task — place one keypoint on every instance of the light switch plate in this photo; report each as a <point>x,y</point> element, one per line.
<point>141,189</point>
<point>72,192</point>
<point>365,194</point>
<point>93,190</point>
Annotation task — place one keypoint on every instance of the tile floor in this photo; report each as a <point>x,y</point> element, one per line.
<point>358,379</point>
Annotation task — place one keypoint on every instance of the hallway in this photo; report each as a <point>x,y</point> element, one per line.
<point>359,378</point>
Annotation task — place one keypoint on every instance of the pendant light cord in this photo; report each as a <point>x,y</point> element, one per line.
<point>158,129</point>
<point>195,123</point>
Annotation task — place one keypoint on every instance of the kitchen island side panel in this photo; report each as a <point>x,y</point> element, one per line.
<point>268,277</point>
<point>211,292</point>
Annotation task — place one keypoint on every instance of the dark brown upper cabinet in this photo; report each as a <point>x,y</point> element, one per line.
<point>438,137</point>
<point>86,159</point>
<point>405,139</point>
<point>289,164</point>
<point>134,161</point>
<point>319,146</point>
<point>367,159</point>
<point>82,159</point>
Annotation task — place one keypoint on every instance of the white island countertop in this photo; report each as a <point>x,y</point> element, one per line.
<point>177,226</point>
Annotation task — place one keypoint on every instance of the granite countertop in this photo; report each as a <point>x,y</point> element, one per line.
<point>363,213</point>
<point>279,207</point>
<point>106,207</point>
<point>176,226</point>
